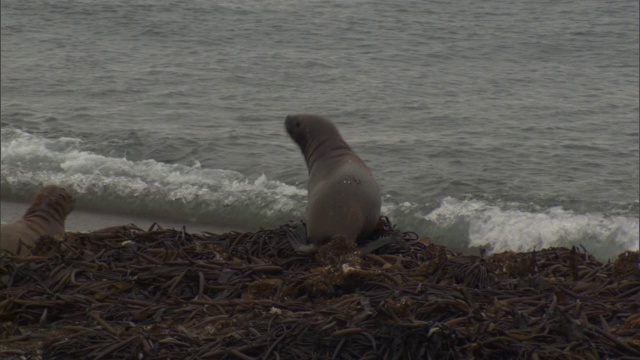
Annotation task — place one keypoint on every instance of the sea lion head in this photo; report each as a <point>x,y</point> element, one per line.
<point>314,135</point>
<point>53,198</point>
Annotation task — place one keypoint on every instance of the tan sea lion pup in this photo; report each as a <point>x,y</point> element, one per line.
<point>45,216</point>
<point>343,196</point>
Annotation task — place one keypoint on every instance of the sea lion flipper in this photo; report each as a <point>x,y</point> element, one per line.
<point>297,237</point>
<point>378,243</point>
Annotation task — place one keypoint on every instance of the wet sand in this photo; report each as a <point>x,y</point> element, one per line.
<point>87,220</point>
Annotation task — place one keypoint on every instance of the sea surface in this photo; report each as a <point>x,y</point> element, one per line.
<point>508,125</point>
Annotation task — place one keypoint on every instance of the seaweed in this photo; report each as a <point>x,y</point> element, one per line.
<point>123,292</point>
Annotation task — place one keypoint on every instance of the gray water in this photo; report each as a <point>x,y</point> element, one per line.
<point>510,125</point>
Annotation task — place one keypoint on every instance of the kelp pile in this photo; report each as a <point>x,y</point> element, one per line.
<point>126,293</point>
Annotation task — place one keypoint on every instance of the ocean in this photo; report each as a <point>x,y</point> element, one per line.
<point>504,125</point>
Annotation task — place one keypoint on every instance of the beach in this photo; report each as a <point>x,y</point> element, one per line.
<point>503,136</point>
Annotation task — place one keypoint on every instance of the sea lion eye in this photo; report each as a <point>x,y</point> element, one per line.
<point>298,123</point>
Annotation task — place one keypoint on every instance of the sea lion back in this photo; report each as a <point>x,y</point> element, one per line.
<point>343,195</point>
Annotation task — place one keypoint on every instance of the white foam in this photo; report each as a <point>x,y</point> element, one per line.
<point>505,228</point>
<point>29,161</point>
<point>226,197</point>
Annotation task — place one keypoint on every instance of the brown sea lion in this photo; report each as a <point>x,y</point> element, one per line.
<point>45,216</point>
<point>343,196</point>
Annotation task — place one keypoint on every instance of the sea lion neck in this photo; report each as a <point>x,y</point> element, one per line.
<point>324,149</point>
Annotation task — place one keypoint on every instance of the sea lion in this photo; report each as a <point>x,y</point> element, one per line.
<point>45,216</point>
<point>343,196</point>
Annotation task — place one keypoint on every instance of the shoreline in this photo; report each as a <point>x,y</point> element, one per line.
<point>87,220</point>
<point>90,220</point>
